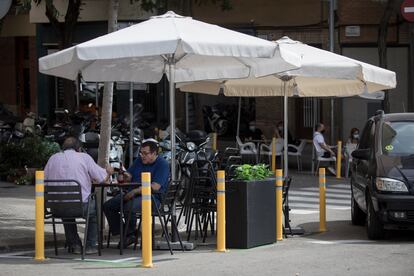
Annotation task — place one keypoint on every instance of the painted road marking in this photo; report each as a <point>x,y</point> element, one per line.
<point>341,242</point>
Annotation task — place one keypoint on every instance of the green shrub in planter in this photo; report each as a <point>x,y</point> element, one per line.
<point>253,172</point>
<point>250,207</point>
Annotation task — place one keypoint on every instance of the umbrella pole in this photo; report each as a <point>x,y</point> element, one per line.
<point>97,96</point>
<point>187,123</point>
<point>174,231</point>
<point>238,118</point>
<point>285,133</point>
<point>171,66</point>
<point>131,124</point>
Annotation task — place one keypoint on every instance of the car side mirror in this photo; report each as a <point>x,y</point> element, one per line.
<point>363,154</point>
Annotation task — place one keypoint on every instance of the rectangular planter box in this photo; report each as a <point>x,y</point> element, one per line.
<point>250,213</point>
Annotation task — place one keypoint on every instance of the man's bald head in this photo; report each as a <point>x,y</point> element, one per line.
<point>71,143</point>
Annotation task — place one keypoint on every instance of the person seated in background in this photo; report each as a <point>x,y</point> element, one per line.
<point>353,139</point>
<point>254,133</point>
<point>322,149</point>
<point>352,142</point>
<point>279,133</point>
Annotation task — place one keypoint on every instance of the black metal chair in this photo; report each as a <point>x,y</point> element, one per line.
<point>285,203</point>
<point>164,212</point>
<point>201,205</point>
<point>66,194</point>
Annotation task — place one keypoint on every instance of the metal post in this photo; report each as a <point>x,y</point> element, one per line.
<point>131,123</point>
<point>338,159</point>
<point>40,217</point>
<point>214,144</point>
<point>322,200</point>
<point>285,138</point>
<point>221,212</point>
<point>187,115</point>
<point>274,154</point>
<point>279,205</point>
<point>238,118</point>
<point>171,67</point>
<point>331,48</point>
<point>146,220</point>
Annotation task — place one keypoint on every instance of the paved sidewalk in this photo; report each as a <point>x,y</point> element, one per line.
<point>17,208</point>
<point>17,218</point>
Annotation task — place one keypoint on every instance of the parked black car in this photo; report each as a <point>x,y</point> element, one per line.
<point>383,174</point>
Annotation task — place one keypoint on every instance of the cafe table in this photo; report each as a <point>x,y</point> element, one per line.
<point>122,187</point>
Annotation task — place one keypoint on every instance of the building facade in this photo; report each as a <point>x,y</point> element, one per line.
<point>356,36</point>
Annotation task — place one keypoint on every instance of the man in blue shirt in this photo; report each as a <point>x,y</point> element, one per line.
<point>149,161</point>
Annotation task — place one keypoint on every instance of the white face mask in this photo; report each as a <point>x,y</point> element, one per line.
<point>356,136</point>
<point>252,128</point>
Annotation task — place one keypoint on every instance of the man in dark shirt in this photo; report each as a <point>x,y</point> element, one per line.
<point>149,161</point>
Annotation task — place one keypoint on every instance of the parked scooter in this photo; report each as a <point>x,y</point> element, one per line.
<point>215,119</point>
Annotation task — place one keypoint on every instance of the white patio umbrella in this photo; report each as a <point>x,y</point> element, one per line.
<point>322,74</point>
<point>180,47</point>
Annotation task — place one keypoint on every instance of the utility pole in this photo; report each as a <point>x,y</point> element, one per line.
<point>331,48</point>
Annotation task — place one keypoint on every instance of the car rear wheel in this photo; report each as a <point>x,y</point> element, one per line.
<point>357,215</point>
<point>375,229</point>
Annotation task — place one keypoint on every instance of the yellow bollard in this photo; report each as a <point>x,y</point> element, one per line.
<point>273,154</point>
<point>338,160</point>
<point>279,201</point>
<point>40,216</point>
<point>221,212</point>
<point>146,220</point>
<point>322,200</point>
<point>214,146</point>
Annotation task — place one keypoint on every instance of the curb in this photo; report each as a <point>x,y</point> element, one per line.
<point>28,246</point>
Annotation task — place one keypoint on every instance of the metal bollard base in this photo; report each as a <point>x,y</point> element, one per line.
<point>175,246</point>
<point>294,231</point>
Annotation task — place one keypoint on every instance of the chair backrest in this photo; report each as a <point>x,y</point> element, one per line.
<point>279,145</point>
<point>286,187</point>
<point>203,180</point>
<point>239,142</point>
<point>171,194</point>
<point>301,145</point>
<point>265,149</point>
<point>62,195</point>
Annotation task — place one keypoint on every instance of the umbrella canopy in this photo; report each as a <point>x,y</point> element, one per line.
<point>183,48</point>
<point>140,52</point>
<point>322,74</point>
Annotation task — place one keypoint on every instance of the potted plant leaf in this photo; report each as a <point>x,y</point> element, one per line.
<point>250,207</point>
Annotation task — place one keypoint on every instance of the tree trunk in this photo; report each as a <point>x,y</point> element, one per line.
<point>106,116</point>
<point>391,9</point>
